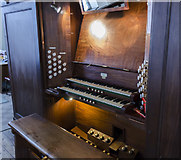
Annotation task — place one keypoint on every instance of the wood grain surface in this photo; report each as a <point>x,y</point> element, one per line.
<point>57,33</point>
<point>163,116</point>
<point>123,45</point>
<point>114,77</point>
<point>24,57</point>
<point>88,116</point>
<point>52,140</point>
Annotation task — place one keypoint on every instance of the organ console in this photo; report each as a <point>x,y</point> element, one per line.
<point>87,73</point>
<point>89,66</point>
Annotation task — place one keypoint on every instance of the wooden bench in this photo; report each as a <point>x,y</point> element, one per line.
<point>38,138</point>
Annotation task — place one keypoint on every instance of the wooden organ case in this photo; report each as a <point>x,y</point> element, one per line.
<point>84,72</point>
<point>101,93</point>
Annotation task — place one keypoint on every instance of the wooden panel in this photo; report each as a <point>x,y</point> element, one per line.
<point>114,77</point>
<point>159,38</point>
<point>62,113</point>
<point>52,140</point>
<point>170,101</point>
<point>163,84</point>
<point>123,44</point>
<point>21,150</point>
<point>88,117</point>
<point>135,132</point>
<point>76,20</point>
<point>24,60</point>
<point>57,33</point>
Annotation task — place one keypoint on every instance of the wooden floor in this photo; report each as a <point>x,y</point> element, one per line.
<point>7,149</point>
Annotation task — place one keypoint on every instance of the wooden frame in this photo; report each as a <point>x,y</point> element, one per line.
<point>163,117</point>
<point>106,9</point>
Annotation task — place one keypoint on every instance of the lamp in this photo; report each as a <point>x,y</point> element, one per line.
<point>58,9</point>
<point>98,29</point>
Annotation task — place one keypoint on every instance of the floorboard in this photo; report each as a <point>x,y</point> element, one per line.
<point>6,137</point>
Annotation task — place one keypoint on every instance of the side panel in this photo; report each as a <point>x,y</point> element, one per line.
<point>169,134</point>
<point>24,59</point>
<point>163,84</point>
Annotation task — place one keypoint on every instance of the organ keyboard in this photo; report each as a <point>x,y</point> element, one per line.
<point>95,87</point>
<point>93,99</point>
<point>110,98</point>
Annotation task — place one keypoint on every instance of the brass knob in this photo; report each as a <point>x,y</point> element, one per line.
<point>44,158</point>
<point>131,151</point>
<point>108,140</point>
<point>123,148</point>
<point>101,138</point>
<point>96,135</point>
<point>91,132</point>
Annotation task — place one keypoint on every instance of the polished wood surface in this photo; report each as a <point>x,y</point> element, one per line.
<point>52,140</point>
<point>118,54</point>
<point>72,113</point>
<point>170,101</point>
<point>60,31</point>
<point>114,77</point>
<point>29,73</point>
<point>23,53</point>
<point>88,117</point>
<point>163,115</point>
<point>76,20</point>
<point>62,113</point>
<point>57,33</point>
<point>123,45</point>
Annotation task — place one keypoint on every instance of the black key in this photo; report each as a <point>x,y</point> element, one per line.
<point>101,96</point>
<point>110,98</point>
<point>117,100</point>
<point>124,102</point>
